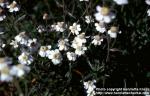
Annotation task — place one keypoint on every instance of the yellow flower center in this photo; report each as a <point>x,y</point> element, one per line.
<point>25,57</point>
<point>97,37</point>
<point>5,70</point>
<point>105,11</point>
<point>57,56</point>
<point>114,29</point>
<point>44,48</point>
<point>74,28</point>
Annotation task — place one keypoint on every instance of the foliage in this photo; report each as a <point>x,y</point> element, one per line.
<point>117,62</point>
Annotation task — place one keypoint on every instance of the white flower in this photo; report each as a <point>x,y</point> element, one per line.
<point>7,71</point>
<point>55,56</point>
<point>104,14</point>
<point>4,69</point>
<point>44,50</point>
<point>147,2</point>
<point>2,16</point>
<point>100,27</point>
<point>19,70</point>
<point>80,50</point>
<point>13,7</point>
<point>22,38</point>
<point>71,56</point>
<point>75,28</point>
<point>62,44</point>
<point>25,58</point>
<point>79,40</point>
<point>89,19</point>
<point>148,12</point>
<point>60,26</point>
<point>121,2</point>
<point>113,32</point>
<point>5,74</point>
<point>79,44</point>
<point>33,44</point>
<point>90,87</point>
<point>97,40</point>
<point>14,43</point>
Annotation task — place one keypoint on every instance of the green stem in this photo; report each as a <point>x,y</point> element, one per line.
<point>16,83</point>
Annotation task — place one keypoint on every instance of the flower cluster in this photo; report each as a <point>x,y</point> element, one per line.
<point>79,44</point>
<point>54,55</point>
<point>89,19</point>
<point>27,46</point>
<point>44,50</point>
<point>8,71</point>
<point>97,40</point>
<point>69,41</point>
<point>89,86</point>
<point>59,27</point>
<point>104,16</point>
<point>71,56</point>
<point>75,28</point>
<point>72,44</point>
<point>63,44</point>
<point>12,7</point>
<point>22,40</point>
